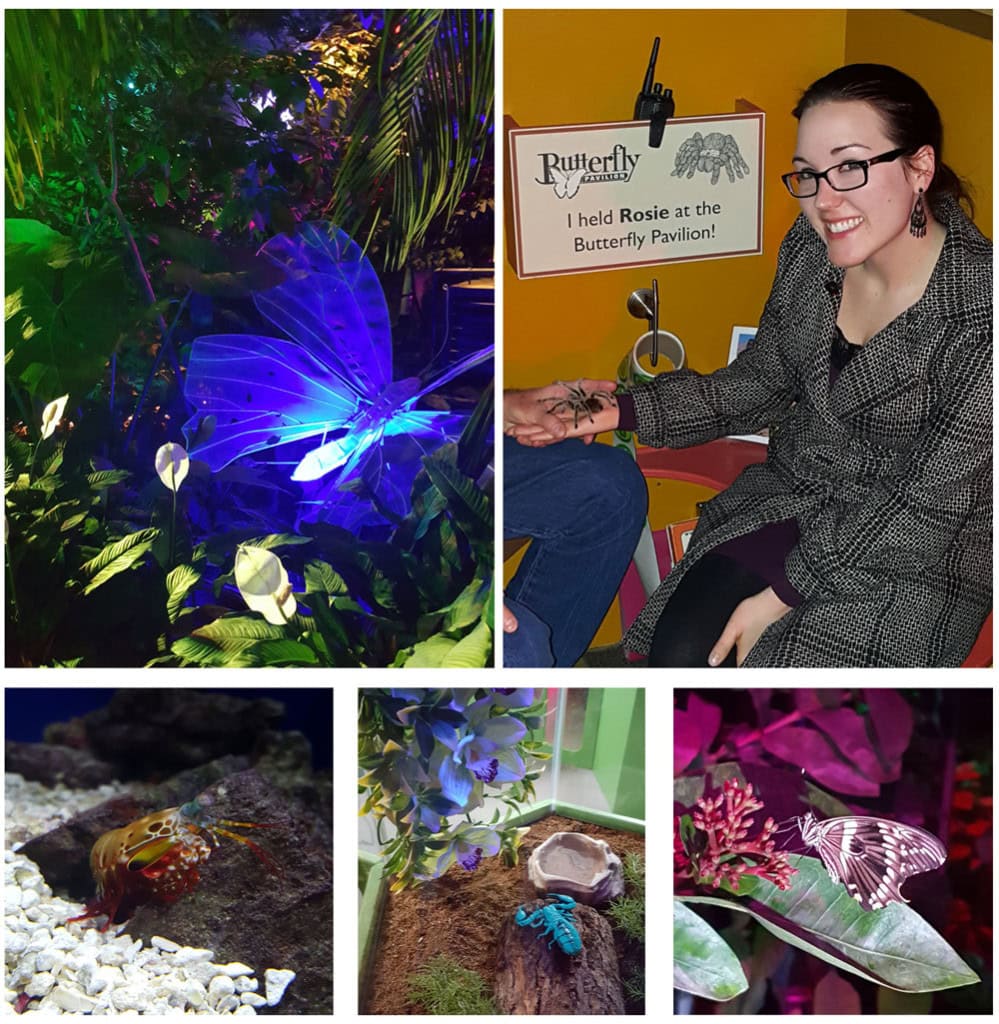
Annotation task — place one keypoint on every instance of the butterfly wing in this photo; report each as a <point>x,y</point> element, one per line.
<point>873,856</point>
<point>332,304</point>
<point>573,182</point>
<point>262,392</point>
<point>559,183</point>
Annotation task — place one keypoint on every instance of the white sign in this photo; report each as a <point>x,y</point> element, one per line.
<point>598,197</point>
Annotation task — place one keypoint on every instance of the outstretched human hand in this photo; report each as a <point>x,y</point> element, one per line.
<point>746,625</point>
<point>527,416</point>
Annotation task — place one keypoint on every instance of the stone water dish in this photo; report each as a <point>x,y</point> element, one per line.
<point>578,866</point>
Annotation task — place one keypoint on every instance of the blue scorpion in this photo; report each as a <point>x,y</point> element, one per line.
<point>555,919</point>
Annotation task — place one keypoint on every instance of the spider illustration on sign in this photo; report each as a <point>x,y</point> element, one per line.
<point>709,154</point>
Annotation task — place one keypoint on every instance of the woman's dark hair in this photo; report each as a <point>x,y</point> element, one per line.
<point>910,117</point>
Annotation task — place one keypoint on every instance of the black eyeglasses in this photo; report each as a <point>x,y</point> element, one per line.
<point>844,177</point>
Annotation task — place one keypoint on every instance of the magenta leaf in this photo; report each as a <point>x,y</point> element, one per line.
<point>808,749</point>
<point>846,730</point>
<point>891,717</point>
<point>693,730</point>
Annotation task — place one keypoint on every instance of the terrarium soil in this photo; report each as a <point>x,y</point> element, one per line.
<point>460,914</point>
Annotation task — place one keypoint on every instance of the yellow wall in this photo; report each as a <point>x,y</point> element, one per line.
<point>955,68</point>
<point>566,67</point>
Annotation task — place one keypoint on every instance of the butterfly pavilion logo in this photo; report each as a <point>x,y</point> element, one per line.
<point>566,173</point>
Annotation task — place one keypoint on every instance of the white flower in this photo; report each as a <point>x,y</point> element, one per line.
<point>51,415</point>
<point>172,465</point>
<point>263,583</point>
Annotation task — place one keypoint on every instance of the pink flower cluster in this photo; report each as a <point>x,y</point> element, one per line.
<point>730,854</point>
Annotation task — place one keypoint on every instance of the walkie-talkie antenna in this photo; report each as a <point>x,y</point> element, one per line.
<point>654,104</point>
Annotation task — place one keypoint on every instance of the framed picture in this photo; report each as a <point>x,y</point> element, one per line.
<point>741,337</point>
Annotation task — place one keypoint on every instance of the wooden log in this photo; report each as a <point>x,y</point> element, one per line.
<point>532,978</point>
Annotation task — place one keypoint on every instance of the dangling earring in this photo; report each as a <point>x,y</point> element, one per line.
<point>917,222</point>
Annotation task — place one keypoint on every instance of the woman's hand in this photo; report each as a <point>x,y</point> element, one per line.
<point>746,624</point>
<point>527,416</point>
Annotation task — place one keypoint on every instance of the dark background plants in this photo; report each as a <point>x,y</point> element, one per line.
<point>148,155</point>
<point>917,756</point>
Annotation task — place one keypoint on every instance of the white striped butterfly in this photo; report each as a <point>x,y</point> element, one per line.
<point>872,857</point>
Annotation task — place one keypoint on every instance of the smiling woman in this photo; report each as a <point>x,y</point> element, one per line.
<point>865,538</point>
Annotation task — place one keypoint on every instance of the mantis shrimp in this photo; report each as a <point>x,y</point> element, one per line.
<point>155,859</point>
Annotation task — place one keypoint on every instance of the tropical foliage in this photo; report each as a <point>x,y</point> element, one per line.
<point>430,758</point>
<point>149,154</point>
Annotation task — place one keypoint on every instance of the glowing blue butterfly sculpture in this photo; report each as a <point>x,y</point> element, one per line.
<point>332,382</point>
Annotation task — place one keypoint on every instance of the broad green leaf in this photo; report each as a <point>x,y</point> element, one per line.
<point>179,583</point>
<point>284,652</point>
<point>467,607</point>
<point>428,653</point>
<point>107,478</point>
<point>322,578</point>
<point>278,540</point>
<point>703,963</point>
<point>161,192</point>
<point>893,947</point>
<point>472,651</point>
<point>238,632</point>
<point>117,557</point>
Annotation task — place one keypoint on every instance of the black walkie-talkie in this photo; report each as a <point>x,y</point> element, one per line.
<point>654,104</point>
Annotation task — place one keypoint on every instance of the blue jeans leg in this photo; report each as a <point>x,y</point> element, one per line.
<point>530,644</point>
<point>584,507</point>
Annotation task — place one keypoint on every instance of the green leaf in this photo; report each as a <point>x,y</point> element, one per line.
<point>428,653</point>
<point>161,192</point>
<point>117,557</point>
<point>179,583</point>
<point>472,651</point>
<point>703,962</point>
<point>893,947</point>
<point>322,578</point>
<point>284,652</point>
<point>107,478</point>
<point>277,540</point>
<point>467,607</point>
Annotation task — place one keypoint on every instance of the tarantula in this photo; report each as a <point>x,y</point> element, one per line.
<point>579,400</point>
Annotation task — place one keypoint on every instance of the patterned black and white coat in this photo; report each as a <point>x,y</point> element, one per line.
<point>888,472</point>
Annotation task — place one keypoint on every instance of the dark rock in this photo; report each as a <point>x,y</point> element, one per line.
<point>243,912</point>
<point>52,764</point>
<point>240,909</point>
<point>147,733</point>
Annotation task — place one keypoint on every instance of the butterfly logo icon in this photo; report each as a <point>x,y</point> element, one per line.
<point>567,182</point>
<point>330,379</point>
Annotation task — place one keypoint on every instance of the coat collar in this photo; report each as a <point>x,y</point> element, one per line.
<point>958,295</point>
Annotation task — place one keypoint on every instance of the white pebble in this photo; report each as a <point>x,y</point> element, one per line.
<point>23,971</point>
<point>245,984</point>
<point>235,969</point>
<point>40,939</point>
<point>252,999</point>
<point>28,898</point>
<point>62,939</point>
<point>12,898</point>
<point>130,997</point>
<point>275,982</point>
<point>195,993</point>
<point>192,955</point>
<point>40,984</point>
<point>15,944</point>
<point>111,955</point>
<point>203,972</point>
<point>167,945</point>
<point>245,1011</point>
<point>227,1004</point>
<point>72,999</point>
<point>53,960</point>
<point>219,987</point>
